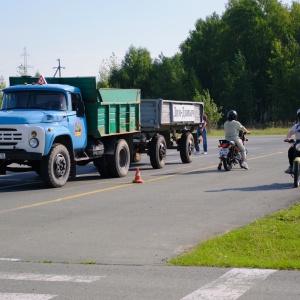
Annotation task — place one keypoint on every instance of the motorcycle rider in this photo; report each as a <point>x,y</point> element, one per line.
<point>232,128</point>
<point>295,129</point>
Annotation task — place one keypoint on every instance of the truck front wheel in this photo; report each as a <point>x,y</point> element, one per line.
<point>55,167</point>
<point>158,151</point>
<point>119,162</point>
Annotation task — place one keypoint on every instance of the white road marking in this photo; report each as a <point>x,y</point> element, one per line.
<point>11,296</point>
<point>49,277</point>
<point>10,259</point>
<point>231,285</point>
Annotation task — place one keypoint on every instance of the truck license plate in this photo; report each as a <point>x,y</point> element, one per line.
<point>2,155</point>
<point>223,151</point>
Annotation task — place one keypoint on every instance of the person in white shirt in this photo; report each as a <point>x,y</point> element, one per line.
<point>232,128</point>
<point>295,130</point>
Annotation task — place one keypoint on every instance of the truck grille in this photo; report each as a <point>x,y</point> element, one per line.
<point>9,136</point>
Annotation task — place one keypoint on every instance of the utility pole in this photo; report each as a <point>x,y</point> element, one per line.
<point>58,68</point>
<point>23,68</point>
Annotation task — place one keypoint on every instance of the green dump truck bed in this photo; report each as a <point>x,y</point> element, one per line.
<point>116,112</point>
<point>108,111</point>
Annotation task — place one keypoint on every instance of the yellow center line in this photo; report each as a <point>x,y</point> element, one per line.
<point>257,157</point>
<point>119,186</point>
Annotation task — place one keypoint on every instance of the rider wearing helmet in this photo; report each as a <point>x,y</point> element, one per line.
<point>232,128</point>
<point>295,129</point>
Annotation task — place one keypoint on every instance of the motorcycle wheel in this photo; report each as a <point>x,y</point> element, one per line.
<point>296,174</point>
<point>227,162</point>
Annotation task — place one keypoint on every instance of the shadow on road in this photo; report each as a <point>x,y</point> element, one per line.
<point>266,187</point>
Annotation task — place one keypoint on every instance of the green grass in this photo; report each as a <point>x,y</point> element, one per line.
<point>255,131</point>
<point>272,242</point>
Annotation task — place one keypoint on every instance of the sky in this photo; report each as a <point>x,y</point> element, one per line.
<point>84,34</point>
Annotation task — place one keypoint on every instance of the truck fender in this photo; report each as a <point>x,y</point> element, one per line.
<point>61,134</point>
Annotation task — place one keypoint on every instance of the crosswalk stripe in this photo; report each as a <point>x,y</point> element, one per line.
<point>231,285</point>
<point>14,296</point>
<point>49,277</point>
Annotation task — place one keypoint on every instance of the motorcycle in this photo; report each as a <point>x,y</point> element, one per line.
<point>230,154</point>
<point>296,164</point>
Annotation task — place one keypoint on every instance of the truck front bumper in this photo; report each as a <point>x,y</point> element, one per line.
<point>19,155</point>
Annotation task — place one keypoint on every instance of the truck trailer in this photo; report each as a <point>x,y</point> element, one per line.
<point>52,125</point>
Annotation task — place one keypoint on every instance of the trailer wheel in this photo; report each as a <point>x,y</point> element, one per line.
<point>187,147</point>
<point>55,167</point>
<point>158,151</point>
<point>101,164</point>
<point>119,162</point>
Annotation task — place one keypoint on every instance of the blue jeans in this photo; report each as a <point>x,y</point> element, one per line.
<point>204,139</point>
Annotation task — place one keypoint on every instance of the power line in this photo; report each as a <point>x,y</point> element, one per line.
<point>58,68</point>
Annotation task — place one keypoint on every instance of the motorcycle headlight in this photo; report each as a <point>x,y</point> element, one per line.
<point>297,147</point>
<point>33,142</point>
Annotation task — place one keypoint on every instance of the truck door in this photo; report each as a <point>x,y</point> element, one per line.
<point>77,123</point>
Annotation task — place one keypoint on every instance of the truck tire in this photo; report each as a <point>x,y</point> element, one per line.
<point>187,147</point>
<point>158,151</point>
<point>119,163</point>
<point>101,164</point>
<point>55,167</point>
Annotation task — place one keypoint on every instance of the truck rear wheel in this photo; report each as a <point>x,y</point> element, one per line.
<point>55,167</point>
<point>101,164</point>
<point>119,163</point>
<point>158,151</point>
<point>187,147</point>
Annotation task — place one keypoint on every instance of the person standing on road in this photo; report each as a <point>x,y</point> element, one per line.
<point>232,129</point>
<point>291,153</point>
<point>201,132</point>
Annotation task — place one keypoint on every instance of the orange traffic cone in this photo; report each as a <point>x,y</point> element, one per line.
<point>138,178</point>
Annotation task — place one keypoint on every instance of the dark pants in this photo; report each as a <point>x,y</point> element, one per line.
<point>291,155</point>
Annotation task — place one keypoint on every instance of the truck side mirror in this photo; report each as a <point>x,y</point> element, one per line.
<point>80,112</point>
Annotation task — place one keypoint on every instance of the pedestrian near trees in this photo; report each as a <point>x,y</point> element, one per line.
<point>201,133</point>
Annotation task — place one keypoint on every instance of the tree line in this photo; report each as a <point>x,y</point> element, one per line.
<point>246,59</point>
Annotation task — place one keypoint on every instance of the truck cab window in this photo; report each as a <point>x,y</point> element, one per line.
<point>15,100</point>
<point>74,99</point>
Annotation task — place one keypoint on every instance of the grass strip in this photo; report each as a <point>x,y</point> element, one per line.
<point>269,243</point>
<point>254,131</point>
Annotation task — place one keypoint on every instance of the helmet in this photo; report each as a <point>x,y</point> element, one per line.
<point>298,113</point>
<point>232,115</point>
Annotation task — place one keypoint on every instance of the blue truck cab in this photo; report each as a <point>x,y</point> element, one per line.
<point>40,114</point>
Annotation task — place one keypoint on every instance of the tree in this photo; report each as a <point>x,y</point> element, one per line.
<point>107,68</point>
<point>230,55</point>
<point>37,73</point>
<point>201,51</point>
<point>2,86</point>
<point>169,80</point>
<point>135,71</point>
<point>212,111</point>
<point>236,90</point>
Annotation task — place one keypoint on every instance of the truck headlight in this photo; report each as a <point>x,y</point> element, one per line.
<point>33,142</point>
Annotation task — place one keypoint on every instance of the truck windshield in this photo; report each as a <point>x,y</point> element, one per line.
<point>47,100</point>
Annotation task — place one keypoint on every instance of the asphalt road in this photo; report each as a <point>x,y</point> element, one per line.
<point>110,238</point>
